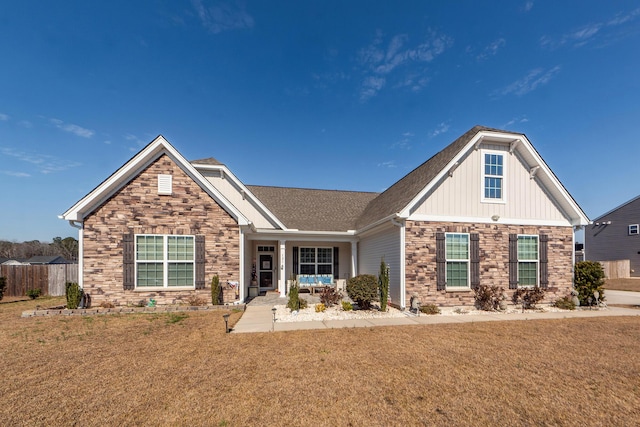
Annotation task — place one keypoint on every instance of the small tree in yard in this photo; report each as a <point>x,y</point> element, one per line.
<point>363,289</point>
<point>74,295</point>
<point>295,302</point>
<point>216,290</point>
<point>383,283</point>
<point>588,278</point>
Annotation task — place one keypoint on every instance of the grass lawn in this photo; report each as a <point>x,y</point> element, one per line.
<point>623,284</point>
<point>182,369</point>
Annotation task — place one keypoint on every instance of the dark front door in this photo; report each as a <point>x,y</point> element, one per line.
<point>265,271</point>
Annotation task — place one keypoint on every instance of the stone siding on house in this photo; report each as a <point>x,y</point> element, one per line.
<point>137,208</point>
<point>494,259</point>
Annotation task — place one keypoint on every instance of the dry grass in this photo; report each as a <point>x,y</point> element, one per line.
<point>172,370</point>
<point>630,284</point>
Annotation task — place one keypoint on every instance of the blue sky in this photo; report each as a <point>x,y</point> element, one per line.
<point>321,94</point>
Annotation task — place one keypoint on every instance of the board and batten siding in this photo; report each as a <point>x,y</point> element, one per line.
<point>608,239</point>
<point>384,243</point>
<point>233,194</point>
<point>460,195</point>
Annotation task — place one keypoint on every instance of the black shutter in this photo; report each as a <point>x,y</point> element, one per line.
<point>200,260</point>
<point>475,260</point>
<point>441,262</point>
<point>544,261</point>
<point>128,262</point>
<point>513,261</point>
<point>295,262</point>
<point>336,263</point>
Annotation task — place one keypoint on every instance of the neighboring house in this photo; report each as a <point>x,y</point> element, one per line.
<point>46,260</point>
<point>615,236</point>
<point>485,210</point>
<point>8,261</point>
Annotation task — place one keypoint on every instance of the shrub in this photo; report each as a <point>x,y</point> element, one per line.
<point>383,284</point>
<point>565,303</point>
<point>528,297</point>
<point>363,289</point>
<point>34,293</point>
<point>295,302</point>
<point>3,285</point>
<point>320,308</point>
<point>216,290</point>
<point>588,278</point>
<point>74,294</point>
<point>330,296</point>
<point>195,301</point>
<point>107,304</point>
<point>429,309</point>
<point>488,298</point>
<point>347,306</point>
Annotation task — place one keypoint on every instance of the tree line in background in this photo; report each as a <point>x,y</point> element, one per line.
<point>67,248</point>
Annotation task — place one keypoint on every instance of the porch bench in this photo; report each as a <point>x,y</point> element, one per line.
<point>314,283</point>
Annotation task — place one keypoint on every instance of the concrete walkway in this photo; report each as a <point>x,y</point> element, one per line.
<point>258,317</point>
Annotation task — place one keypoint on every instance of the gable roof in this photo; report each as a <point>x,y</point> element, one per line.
<point>156,148</point>
<point>314,210</point>
<point>44,259</point>
<point>401,197</point>
<point>207,161</point>
<point>628,202</point>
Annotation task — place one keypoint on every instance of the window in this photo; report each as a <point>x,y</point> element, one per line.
<point>457,258</point>
<point>633,229</point>
<point>316,261</point>
<point>493,174</point>
<point>164,261</point>
<point>527,260</point>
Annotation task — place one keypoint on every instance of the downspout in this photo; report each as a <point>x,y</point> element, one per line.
<point>80,226</point>
<point>403,296</point>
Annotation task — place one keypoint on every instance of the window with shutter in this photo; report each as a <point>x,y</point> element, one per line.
<point>441,262</point>
<point>513,261</point>
<point>544,261</point>
<point>475,260</point>
<point>128,261</point>
<point>167,261</point>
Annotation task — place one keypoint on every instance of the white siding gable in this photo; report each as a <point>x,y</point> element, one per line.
<point>459,196</point>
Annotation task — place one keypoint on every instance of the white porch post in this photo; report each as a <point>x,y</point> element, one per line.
<point>282,279</point>
<point>354,258</point>
<point>243,282</point>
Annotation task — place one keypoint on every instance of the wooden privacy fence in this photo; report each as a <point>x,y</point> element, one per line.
<point>619,269</point>
<point>49,278</point>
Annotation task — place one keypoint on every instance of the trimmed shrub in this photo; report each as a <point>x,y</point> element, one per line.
<point>216,290</point>
<point>565,303</point>
<point>383,284</point>
<point>528,297</point>
<point>74,294</point>
<point>320,308</point>
<point>347,306</point>
<point>429,309</point>
<point>330,296</point>
<point>3,285</point>
<point>363,289</point>
<point>295,302</point>
<point>488,298</point>
<point>588,278</point>
<point>34,293</point>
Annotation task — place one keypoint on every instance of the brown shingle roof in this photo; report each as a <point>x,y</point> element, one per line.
<point>400,194</point>
<point>314,210</point>
<point>207,161</point>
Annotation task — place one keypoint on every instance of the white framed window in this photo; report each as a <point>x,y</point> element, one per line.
<point>528,260</point>
<point>316,260</point>
<point>457,258</point>
<point>493,174</point>
<point>633,229</point>
<point>164,261</point>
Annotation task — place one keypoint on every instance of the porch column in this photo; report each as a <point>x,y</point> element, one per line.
<point>354,258</point>
<point>282,279</point>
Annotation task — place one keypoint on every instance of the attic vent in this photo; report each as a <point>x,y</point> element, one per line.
<point>165,184</point>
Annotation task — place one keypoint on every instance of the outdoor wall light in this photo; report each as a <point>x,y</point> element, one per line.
<point>226,323</point>
<point>495,217</point>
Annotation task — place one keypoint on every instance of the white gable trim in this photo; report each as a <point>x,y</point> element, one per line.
<point>133,167</point>
<point>227,174</point>
<point>517,143</point>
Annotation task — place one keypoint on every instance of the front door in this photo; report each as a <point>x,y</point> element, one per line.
<point>265,271</point>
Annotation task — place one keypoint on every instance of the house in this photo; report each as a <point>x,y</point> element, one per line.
<point>47,260</point>
<point>485,210</point>
<point>615,235</point>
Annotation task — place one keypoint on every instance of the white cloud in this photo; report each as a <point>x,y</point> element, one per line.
<point>396,60</point>
<point>492,48</point>
<point>45,163</point>
<point>71,128</point>
<point>404,142</point>
<point>388,164</point>
<point>515,120</point>
<point>528,6</point>
<point>3,117</point>
<point>441,128</point>
<point>17,174</point>
<point>139,143</point>
<point>223,16</point>
<point>533,80</point>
